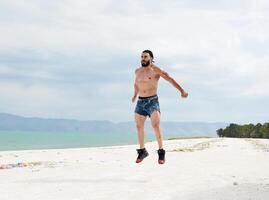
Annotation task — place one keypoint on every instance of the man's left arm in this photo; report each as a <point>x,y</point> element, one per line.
<point>168,78</point>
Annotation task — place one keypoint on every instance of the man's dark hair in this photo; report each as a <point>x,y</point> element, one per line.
<point>150,53</point>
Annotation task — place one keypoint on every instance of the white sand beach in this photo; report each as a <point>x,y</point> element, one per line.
<point>198,168</point>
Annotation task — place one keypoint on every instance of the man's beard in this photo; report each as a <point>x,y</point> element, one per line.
<point>145,64</point>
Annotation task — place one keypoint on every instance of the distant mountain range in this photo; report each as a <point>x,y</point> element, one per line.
<point>10,122</point>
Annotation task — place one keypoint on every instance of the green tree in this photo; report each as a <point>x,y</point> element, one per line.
<point>220,132</point>
<point>246,131</point>
<point>265,130</point>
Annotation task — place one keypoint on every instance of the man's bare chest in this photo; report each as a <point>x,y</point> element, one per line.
<point>146,76</point>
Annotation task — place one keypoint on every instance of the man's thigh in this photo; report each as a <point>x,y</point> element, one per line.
<point>140,119</point>
<point>155,117</point>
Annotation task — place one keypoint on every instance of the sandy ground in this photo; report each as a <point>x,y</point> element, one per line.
<point>203,168</point>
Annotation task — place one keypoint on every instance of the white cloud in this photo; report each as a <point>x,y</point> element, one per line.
<point>219,47</point>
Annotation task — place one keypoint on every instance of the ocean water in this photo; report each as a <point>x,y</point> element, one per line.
<point>22,140</point>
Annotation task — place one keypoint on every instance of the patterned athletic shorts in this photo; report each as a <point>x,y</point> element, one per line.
<point>146,105</point>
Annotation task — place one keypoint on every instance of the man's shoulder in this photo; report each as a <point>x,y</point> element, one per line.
<point>156,68</point>
<point>137,69</point>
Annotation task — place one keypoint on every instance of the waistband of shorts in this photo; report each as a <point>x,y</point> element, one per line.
<point>148,98</point>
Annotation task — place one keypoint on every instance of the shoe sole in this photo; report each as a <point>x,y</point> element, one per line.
<point>140,160</point>
<point>161,161</point>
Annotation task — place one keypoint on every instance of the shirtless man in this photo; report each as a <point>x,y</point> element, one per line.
<point>146,83</point>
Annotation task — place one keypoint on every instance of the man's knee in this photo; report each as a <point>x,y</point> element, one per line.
<point>155,124</point>
<point>139,126</point>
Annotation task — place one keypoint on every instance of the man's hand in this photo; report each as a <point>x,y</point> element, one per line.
<point>184,94</point>
<point>133,98</point>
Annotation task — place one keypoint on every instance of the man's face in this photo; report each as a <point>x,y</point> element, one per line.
<point>145,59</point>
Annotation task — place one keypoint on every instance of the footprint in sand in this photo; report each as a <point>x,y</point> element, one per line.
<point>259,145</point>
<point>235,183</point>
<point>196,147</point>
<point>14,155</point>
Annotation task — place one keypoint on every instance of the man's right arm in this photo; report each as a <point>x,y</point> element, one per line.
<point>135,86</point>
<point>136,89</point>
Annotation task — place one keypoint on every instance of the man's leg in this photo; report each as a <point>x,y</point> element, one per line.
<point>140,122</point>
<point>155,122</point>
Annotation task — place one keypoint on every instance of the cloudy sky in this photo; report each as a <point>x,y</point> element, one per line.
<point>76,59</point>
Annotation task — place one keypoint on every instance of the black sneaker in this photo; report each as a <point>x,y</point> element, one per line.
<point>161,153</point>
<point>142,153</point>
